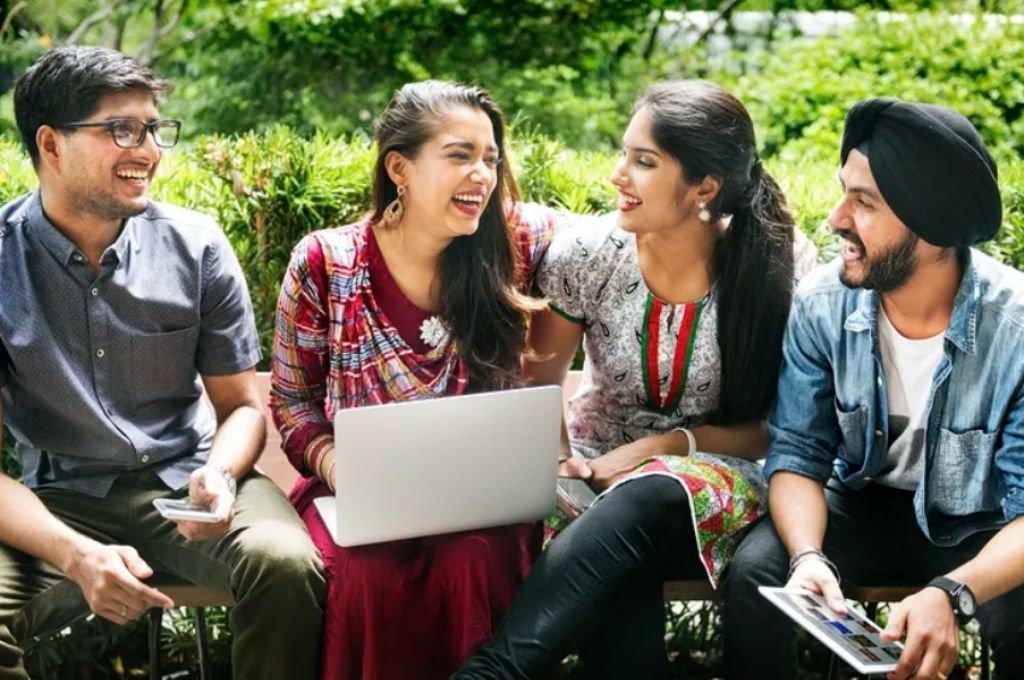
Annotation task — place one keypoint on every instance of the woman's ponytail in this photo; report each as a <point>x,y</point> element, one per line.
<point>755,269</point>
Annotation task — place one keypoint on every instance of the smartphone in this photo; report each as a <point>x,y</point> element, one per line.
<point>574,496</point>
<point>177,509</point>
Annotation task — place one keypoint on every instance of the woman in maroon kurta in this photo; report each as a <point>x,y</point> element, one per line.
<point>420,300</point>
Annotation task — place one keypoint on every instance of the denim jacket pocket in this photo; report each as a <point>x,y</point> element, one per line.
<point>962,473</point>
<point>852,428</point>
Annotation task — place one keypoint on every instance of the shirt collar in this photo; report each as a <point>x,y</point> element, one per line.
<point>60,246</point>
<point>962,322</point>
<point>865,316</point>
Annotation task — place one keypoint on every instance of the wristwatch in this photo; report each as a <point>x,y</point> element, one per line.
<point>229,479</point>
<point>964,604</point>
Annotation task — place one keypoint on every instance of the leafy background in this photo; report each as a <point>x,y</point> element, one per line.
<point>278,98</point>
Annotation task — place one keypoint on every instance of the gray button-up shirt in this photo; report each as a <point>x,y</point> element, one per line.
<point>99,374</point>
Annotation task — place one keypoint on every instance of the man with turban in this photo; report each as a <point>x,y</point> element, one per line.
<point>897,451</point>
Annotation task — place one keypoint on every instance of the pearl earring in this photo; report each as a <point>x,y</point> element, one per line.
<point>704,214</point>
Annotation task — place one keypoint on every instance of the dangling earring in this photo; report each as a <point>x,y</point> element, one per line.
<point>393,213</point>
<point>704,214</point>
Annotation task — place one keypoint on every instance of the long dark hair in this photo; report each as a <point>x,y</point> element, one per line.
<point>710,133</point>
<point>479,299</point>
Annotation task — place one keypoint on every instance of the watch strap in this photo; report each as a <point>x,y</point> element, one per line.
<point>953,589</point>
<point>229,479</point>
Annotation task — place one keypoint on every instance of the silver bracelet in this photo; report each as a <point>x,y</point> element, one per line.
<point>806,550</point>
<point>801,557</point>
<point>229,479</point>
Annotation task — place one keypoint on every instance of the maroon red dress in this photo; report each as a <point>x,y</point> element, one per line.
<point>412,609</point>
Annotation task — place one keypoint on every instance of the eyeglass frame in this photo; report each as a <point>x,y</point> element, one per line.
<point>147,129</point>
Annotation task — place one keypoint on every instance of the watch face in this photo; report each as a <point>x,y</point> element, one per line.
<point>966,602</point>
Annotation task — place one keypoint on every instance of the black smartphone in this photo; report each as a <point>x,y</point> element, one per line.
<point>574,496</point>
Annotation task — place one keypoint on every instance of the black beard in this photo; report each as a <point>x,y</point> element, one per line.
<point>887,271</point>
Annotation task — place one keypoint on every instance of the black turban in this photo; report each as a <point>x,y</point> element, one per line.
<point>931,167</point>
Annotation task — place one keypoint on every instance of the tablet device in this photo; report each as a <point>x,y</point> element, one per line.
<point>854,638</point>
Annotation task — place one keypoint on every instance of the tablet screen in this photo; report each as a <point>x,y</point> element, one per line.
<point>853,637</point>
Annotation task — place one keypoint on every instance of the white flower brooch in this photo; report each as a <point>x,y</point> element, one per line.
<point>433,331</point>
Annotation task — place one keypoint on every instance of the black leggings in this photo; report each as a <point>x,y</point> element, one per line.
<point>598,587</point>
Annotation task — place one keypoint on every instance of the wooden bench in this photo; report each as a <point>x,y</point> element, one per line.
<point>274,464</point>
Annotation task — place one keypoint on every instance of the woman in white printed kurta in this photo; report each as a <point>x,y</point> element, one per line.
<point>681,300</point>
<point>650,367</point>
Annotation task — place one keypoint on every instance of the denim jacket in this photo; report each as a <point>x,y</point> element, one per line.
<point>831,414</point>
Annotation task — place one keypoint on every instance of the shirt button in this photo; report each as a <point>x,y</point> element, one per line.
<point>95,292</point>
<point>879,382</point>
<point>77,257</point>
<point>100,353</point>
<point>878,433</point>
<point>145,459</point>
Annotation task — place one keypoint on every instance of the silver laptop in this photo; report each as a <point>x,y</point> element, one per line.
<point>435,466</point>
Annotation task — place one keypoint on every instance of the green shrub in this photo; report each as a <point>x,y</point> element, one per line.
<point>575,75</point>
<point>556,62</point>
<point>569,68</point>
<point>267,190</point>
<point>799,93</point>
<point>16,173</point>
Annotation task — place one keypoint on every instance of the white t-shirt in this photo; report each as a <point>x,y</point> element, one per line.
<point>909,368</point>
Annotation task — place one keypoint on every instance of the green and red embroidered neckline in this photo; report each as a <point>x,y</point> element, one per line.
<point>685,341</point>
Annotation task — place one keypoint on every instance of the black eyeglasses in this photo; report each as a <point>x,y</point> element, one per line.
<point>130,133</point>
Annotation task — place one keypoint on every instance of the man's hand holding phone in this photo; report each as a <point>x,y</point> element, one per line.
<point>208,510</point>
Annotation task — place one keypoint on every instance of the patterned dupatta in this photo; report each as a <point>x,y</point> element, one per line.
<point>374,364</point>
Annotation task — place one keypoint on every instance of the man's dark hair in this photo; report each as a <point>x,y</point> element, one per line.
<point>66,84</point>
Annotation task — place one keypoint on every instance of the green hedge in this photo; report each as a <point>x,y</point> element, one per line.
<point>568,68</point>
<point>571,68</point>
<point>267,190</point>
<point>799,93</point>
<point>339,62</point>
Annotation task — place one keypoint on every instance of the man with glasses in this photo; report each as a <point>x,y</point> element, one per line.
<point>115,314</point>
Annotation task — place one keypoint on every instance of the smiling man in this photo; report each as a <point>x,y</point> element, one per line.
<point>897,451</point>
<point>115,314</point>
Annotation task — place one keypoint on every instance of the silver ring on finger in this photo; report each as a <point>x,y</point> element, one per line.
<point>124,611</point>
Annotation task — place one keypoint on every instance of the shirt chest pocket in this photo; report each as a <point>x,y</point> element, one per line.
<point>962,476</point>
<point>164,366</point>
